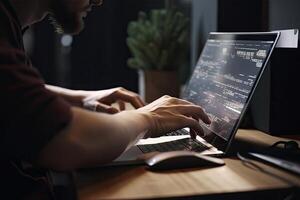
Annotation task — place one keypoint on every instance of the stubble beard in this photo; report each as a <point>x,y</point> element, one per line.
<point>63,20</point>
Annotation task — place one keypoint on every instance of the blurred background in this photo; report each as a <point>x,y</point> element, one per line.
<point>97,57</point>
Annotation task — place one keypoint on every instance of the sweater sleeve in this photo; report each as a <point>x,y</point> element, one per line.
<point>30,115</point>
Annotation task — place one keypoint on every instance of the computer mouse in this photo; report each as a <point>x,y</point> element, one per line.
<point>181,160</point>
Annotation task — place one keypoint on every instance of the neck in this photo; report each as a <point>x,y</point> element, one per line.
<point>30,11</point>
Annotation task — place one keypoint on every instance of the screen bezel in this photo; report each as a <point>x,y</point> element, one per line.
<point>215,140</point>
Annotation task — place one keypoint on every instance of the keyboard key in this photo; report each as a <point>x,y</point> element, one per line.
<point>178,132</point>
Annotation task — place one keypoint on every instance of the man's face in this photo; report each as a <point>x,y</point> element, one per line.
<point>67,15</point>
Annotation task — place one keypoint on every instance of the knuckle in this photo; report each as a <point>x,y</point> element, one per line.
<point>184,118</point>
<point>173,100</point>
<point>187,102</point>
<point>189,119</point>
<point>161,109</point>
<point>135,95</point>
<point>118,89</point>
<point>200,109</point>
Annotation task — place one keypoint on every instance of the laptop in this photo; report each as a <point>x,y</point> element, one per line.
<point>223,82</point>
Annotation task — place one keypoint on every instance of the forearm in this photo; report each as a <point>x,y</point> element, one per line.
<point>74,97</point>
<point>92,139</point>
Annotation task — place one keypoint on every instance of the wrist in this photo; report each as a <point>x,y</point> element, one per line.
<point>75,100</point>
<point>137,123</point>
<point>146,119</point>
<point>74,97</point>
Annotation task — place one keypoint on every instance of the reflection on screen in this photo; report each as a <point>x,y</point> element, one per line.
<point>223,79</point>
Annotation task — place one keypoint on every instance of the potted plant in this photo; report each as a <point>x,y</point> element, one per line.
<point>158,42</point>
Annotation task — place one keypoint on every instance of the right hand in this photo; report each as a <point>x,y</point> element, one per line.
<point>168,114</point>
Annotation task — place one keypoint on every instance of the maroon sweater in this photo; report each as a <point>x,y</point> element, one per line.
<point>30,115</point>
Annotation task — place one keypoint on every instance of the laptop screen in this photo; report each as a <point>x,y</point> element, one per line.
<point>224,79</point>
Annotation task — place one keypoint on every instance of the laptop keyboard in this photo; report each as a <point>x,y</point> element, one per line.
<point>188,144</point>
<point>178,132</point>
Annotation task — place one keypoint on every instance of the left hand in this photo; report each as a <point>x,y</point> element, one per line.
<point>102,100</point>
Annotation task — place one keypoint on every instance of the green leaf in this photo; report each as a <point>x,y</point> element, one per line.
<point>158,40</point>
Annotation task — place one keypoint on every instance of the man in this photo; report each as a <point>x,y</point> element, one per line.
<point>48,126</point>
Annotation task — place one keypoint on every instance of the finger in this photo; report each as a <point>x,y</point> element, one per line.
<point>112,110</point>
<point>141,102</point>
<point>124,95</point>
<point>193,111</point>
<point>133,99</point>
<point>121,105</point>
<point>196,129</point>
<point>187,108</point>
<point>193,134</point>
<point>138,97</point>
<point>179,101</point>
<point>193,125</point>
<point>90,105</point>
<point>105,108</point>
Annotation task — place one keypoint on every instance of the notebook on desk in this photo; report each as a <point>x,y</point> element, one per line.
<point>223,82</point>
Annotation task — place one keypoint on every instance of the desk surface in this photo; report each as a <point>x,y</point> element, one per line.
<point>139,183</point>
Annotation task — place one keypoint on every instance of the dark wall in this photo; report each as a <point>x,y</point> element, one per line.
<point>204,20</point>
<point>284,72</point>
<point>274,106</point>
<point>98,55</point>
<point>284,14</point>
<point>236,15</point>
<point>43,47</point>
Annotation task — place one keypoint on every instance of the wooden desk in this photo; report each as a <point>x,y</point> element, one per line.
<point>233,178</point>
